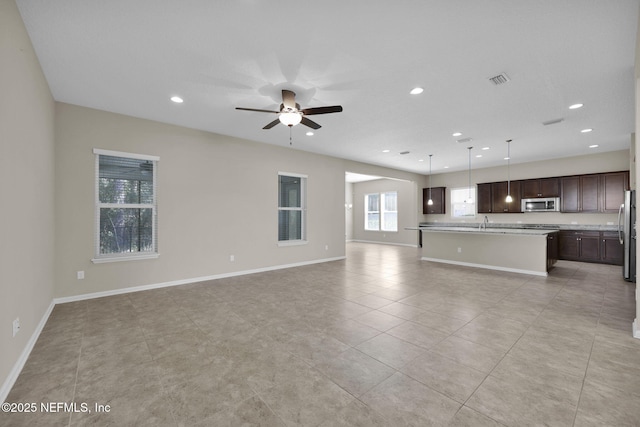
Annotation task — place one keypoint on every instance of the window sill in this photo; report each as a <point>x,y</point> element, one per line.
<point>124,258</point>
<point>292,242</point>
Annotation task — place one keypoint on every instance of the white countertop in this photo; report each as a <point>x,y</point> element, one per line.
<point>489,230</point>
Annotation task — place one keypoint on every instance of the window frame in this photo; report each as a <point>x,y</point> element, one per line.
<point>381,211</point>
<point>124,256</point>
<point>456,203</point>
<point>302,209</point>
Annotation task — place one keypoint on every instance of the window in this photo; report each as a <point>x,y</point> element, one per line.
<point>381,211</point>
<point>125,206</point>
<point>463,203</point>
<point>292,208</point>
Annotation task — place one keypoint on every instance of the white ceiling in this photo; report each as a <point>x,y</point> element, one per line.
<point>130,57</point>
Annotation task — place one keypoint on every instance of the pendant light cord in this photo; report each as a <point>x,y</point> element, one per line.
<point>469,148</point>
<point>430,176</point>
<point>508,168</point>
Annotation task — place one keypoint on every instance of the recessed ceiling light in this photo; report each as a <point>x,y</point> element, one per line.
<point>486,148</point>
<point>385,151</point>
<point>575,106</point>
<point>446,167</point>
<point>309,133</point>
<point>177,99</point>
<point>416,91</point>
<point>507,158</point>
<point>478,155</point>
<point>456,134</point>
<point>421,160</point>
<point>586,130</point>
<point>593,146</point>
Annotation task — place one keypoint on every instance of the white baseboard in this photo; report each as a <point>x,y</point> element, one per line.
<point>93,295</point>
<point>17,367</point>
<point>488,267</point>
<point>384,243</point>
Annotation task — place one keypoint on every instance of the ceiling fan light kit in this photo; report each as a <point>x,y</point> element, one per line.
<point>290,113</point>
<point>290,118</point>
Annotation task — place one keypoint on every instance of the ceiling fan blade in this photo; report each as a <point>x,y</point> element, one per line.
<point>258,110</point>
<point>322,110</point>
<point>272,124</point>
<point>310,123</point>
<point>288,99</point>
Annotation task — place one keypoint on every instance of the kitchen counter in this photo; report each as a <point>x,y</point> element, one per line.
<point>584,227</point>
<point>489,230</point>
<point>519,250</point>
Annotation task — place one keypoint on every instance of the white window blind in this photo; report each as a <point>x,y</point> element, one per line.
<point>126,207</point>
<point>463,203</point>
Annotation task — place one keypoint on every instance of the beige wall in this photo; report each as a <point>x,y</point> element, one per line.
<point>407,211</point>
<point>26,191</point>
<point>217,197</point>
<point>604,162</point>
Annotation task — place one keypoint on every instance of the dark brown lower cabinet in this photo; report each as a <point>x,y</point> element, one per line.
<point>612,252</point>
<point>590,246</point>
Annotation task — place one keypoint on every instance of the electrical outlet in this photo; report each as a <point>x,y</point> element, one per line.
<point>232,258</point>
<point>459,250</point>
<point>16,326</point>
<point>326,247</point>
<point>80,275</point>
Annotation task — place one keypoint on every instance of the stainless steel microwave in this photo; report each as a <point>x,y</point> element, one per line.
<point>551,204</point>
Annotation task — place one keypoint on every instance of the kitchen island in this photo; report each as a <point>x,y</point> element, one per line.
<point>528,251</point>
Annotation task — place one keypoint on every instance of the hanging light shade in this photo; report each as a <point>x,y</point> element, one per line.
<point>430,201</point>
<point>469,198</point>
<point>508,199</point>
<point>290,118</point>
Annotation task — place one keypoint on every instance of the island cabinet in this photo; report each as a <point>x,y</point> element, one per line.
<point>438,197</point>
<point>593,193</point>
<point>542,187</point>
<point>491,197</point>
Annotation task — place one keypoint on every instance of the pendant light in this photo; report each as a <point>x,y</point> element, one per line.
<point>469,199</point>
<point>508,199</point>
<point>430,201</point>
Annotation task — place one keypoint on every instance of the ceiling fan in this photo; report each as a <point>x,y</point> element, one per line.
<point>290,113</point>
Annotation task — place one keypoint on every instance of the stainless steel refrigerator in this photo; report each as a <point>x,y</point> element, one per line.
<point>627,234</point>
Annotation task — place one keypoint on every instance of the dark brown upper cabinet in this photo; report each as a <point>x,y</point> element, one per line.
<point>492,197</point>
<point>542,187</point>
<point>499,192</point>
<point>438,197</point>
<point>593,193</point>
<point>484,199</point>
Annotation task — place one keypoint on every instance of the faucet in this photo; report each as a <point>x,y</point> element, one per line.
<point>483,224</point>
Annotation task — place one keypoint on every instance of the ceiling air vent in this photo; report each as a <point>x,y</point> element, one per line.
<point>500,79</point>
<point>404,152</point>
<point>465,140</point>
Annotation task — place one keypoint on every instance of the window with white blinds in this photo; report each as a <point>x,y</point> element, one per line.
<point>292,208</point>
<point>126,207</point>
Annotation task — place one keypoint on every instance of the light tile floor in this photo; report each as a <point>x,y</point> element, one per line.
<point>380,339</point>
